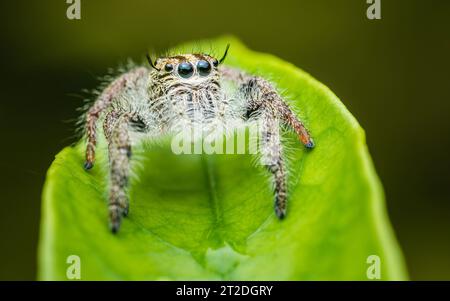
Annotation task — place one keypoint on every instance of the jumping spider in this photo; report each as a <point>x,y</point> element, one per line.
<point>173,93</point>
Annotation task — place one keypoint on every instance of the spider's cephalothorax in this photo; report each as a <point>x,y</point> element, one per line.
<point>184,91</point>
<point>185,88</point>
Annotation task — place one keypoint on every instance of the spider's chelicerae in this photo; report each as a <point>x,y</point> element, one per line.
<point>177,92</point>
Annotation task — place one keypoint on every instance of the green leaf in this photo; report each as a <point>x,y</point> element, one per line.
<point>211,217</point>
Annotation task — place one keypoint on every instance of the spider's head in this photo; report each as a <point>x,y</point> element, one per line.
<point>187,67</point>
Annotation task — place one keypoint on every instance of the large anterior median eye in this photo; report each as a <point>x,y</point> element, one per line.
<point>185,69</point>
<point>203,67</point>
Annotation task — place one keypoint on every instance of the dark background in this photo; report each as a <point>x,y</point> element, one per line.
<point>392,74</point>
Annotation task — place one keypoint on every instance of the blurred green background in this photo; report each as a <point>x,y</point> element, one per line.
<point>392,74</point>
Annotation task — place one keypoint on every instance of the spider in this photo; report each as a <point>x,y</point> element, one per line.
<point>178,91</point>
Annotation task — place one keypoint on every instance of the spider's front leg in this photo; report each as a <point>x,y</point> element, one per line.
<point>261,97</point>
<point>112,91</point>
<point>259,93</point>
<point>116,127</point>
<point>271,156</point>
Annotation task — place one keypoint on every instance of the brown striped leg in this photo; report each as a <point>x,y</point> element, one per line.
<point>125,81</point>
<point>261,97</point>
<point>289,118</point>
<point>271,155</point>
<point>258,91</point>
<point>116,131</point>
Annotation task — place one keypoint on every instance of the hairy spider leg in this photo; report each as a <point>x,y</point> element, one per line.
<point>126,81</point>
<point>262,97</point>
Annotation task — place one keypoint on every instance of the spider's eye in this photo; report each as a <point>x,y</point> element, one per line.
<point>215,63</point>
<point>203,67</point>
<point>168,67</point>
<point>185,69</point>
